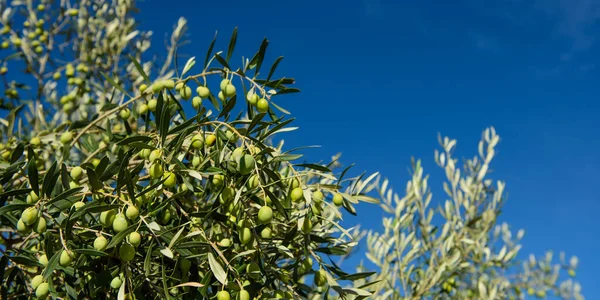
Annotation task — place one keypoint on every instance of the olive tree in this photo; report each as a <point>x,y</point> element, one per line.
<point>110,187</point>
<point>457,250</point>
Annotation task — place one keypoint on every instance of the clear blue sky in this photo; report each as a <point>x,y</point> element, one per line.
<point>381,79</point>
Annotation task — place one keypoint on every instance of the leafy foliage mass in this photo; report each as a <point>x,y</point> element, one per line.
<point>125,178</point>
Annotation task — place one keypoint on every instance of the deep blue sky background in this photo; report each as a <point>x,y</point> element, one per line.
<point>381,79</point>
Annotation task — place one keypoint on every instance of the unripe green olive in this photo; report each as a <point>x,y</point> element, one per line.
<point>152,105</point>
<point>40,225</point>
<point>265,214</point>
<point>77,205</point>
<point>143,87</point>
<point>218,179</point>
<point>145,153</point>
<point>253,269</point>
<point>43,259</point>
<point>32,197</point>
<point>125,113</point>
<point>17,42</point>
<point>42,290</point>
<point>76,173</point>
<point>223,295</point>
<point>224,83</point>
<point>132,212</point>
<point>66,137</point>
<point>155,155</point>
<point>22,227</point>
<point>245,235</point>
<point>156,170</point>
<point>170,179</point>
<point>227,194</point>
<point>196,102</point>
<point>307,226</point>
<point>169,84</point>
<point>225,242</point>
<point>142,109</point>
<point>221,96</point>
<point>266,233</point>
<point>320,278</point>
<point>252,99</point>
<point>165,216</point>
<point>116,282</point>
<point>196,161</point>
<point>243,295</point>
<point>65,258</point>
<point>203,91</point>
<point>197,141</point>
<point>72,12</point>
<point>29,215</point>
<point>135,238</point>
<point>158,86</point>
<point>297,194</point>
<point>184,265</point>
<point>95,161</point>
<point>185,92</point>
<point>100,243</point>
<point>126,252</point>
<point>338,200</point>
<point>211,139</point>
<point>262,105</point>
<point>246,164</point>
<point>107,217</point>
<point>229,90</point>
<point>120,223</point>
<point>253,182</point>
<point>317,196</point>
<point>36,281</point>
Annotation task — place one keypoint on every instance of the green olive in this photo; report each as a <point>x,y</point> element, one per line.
<point>224,83</point>
<point>197,141</point>
<point>66,137</point>
<point>142,109</point>
<point>169,84</point>
<point>156,170</point>
<point>36,281</point>
<point>229,90</point>
<point>245,235</point>
<point>252,99</point>
<point>225,242</point>
<point>338,200</point>
<point>196,102</point>
<point>76,173</point>
<point>40,225</point>
<point>185,92</point>
<point>125,113</point>
<point>203,91</point>
<point>126,252</point>
<point>243,295</point>
<point>218,179</point>
<point>132,212</point>
<point>42,290</point>
<point>265,214</point>
<point>120,223</point>
<point>22,227</point>
<point>115,283</point>
<point>135,238</point>
<point>100,243</point>
<point>29,215</point>
<point>307,226</point>
<point>107,217</point>
<point>320,278</point>
<point>152,105</point>
<point>297,194</point>
<point>266,233</point>
<point>317,196</point>
<point>223,295</point>
<point>246,164</point>
<point>43,259</point>
<point>211,139</point>
<point>170,179</point>
<point>262,105</point>
<point>65,258</point>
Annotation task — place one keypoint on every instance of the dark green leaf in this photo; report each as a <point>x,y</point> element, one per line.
<point>209,52</point>
<point>222,61</point>
<point>49,180</point>
<point>274,67</point>
<point>14,193</point>
<point>121,235</point>
<point>232,42</point>
<point>90,252</point>
<point>13,207</point>
<point>52,263</point>
<point>32,173</point>
<point>140,69</point>
<point>228,107</point>
<point>135,138</point>
<point>314,167</point>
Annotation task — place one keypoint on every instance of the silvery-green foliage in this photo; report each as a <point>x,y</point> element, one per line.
<point>457,250</point>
